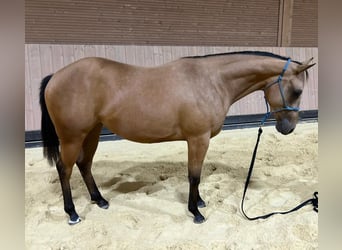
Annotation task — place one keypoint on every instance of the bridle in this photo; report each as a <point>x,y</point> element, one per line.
<point>279,82</point>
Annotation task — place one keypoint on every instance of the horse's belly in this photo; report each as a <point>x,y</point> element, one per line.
<point>145,130</point>
<point>149,136</point>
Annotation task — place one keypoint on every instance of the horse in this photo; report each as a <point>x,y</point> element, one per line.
<point>185,99</point>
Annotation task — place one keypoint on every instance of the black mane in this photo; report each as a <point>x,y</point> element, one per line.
<point>247,52</point>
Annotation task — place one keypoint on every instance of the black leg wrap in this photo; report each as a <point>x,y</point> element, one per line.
<point>195,200</point>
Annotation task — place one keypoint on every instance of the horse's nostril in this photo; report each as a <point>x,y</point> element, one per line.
<point>291,130</point>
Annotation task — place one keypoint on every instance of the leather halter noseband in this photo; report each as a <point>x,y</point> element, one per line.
<point>285,106</point>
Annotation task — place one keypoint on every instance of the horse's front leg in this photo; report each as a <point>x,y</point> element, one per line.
<point>197,149</point>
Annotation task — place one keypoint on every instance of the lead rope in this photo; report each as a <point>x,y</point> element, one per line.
<point>313,201</point>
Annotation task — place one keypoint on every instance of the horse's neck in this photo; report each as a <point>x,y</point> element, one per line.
<point>244,75</point>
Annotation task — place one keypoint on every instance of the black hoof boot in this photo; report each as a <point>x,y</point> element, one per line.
<point>201,203</point>
<point>74,219</point>
<point>199,219</point>
<point>102,203</point>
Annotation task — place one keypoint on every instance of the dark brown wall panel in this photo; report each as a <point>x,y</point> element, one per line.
<point>305,23</point>
<point>153,22</point>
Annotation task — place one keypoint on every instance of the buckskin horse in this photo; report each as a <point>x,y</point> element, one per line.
<point>186,99</point>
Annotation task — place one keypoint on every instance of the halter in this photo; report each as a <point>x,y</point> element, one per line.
<point>314,200</point>
<point>285,106</point>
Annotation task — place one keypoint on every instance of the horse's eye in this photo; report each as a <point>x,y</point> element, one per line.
<point>297,92</point>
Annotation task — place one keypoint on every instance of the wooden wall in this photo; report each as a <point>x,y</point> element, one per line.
<point>43,59</point>
<point>180,22</point>
<point>304,30</point>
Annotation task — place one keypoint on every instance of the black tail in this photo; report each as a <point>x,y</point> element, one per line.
<point>48,132</point>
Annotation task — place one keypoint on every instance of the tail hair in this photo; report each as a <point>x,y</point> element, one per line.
<point>48,132</point>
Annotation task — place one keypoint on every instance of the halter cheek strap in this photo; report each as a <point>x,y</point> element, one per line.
<point>285,106</point>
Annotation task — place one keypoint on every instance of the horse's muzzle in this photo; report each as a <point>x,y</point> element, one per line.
<point>285,127</point>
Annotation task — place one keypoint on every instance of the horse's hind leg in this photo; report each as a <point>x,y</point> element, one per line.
<point>197,149</point>
<point>84,164</point>
<point>69,153</point>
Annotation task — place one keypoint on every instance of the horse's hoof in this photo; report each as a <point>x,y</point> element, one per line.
<point>74,221</point>
<point>102,204</point>
<point>201,204</point>
<point>199,219</point>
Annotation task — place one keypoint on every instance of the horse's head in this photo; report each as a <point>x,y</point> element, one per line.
<point>283,94</point>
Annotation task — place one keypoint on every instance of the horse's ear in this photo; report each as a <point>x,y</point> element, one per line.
<point>305,66</point>
<point>307,61</point>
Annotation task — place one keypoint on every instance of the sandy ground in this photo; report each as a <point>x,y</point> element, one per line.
<point>146,186</point>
